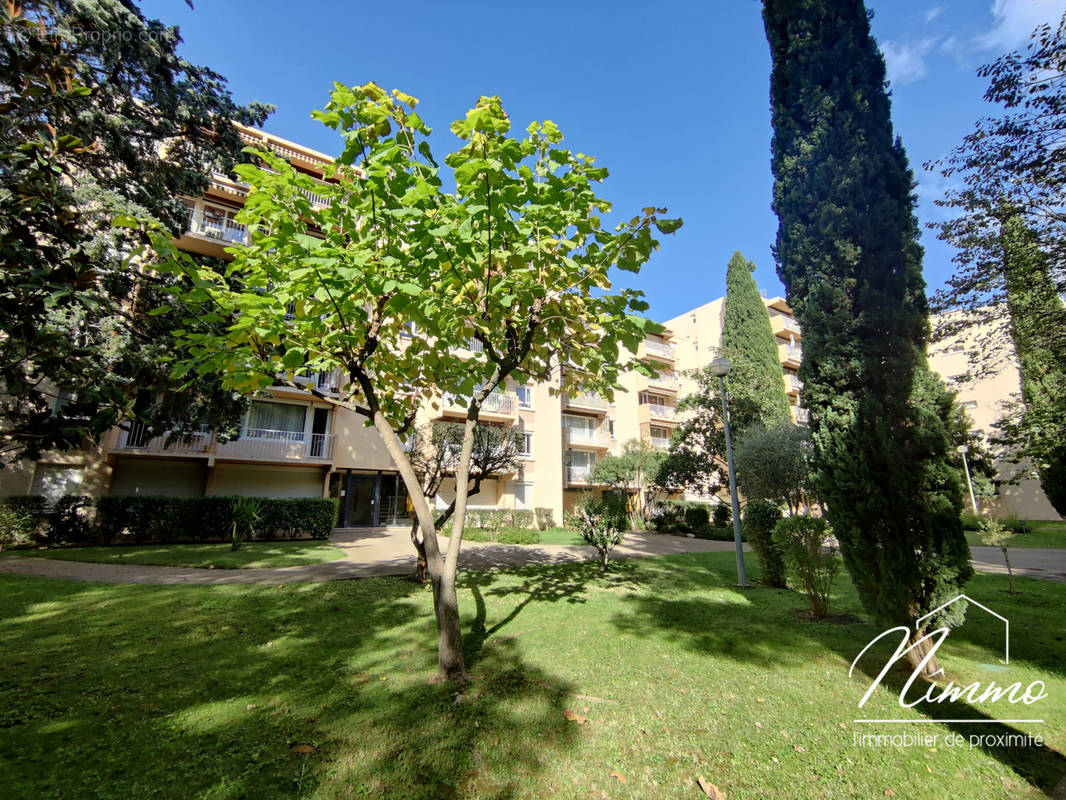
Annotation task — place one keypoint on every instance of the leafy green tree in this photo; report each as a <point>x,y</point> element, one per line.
<point>1036,431</point>
<point>99,118</point>
<point>757,398</point>
<point>434,453</point>
<point>1011,162</point>
<point>749,343</point>
<point>848,253</point>
<point>516,258</point>
<point>635,472</point>
<point>774,464</point>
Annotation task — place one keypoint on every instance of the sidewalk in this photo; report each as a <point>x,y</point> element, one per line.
<point>388,551</point>
<point>368,553</point>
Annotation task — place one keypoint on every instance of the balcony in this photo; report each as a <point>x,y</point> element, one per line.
<point>254,444</point>
<point>581,476</point>
<point>323,381</point>
<point>784,327</point>
<point>802,415</point>
<point>496,407</point>
<point>171,443</point>
<point>658,412</point>
<point>659,442</point>
<point>586,402</point>
<point>793,385</point>
<point>668,380</point>
<point>216,222</point>
<point>790,354</point>
<point>657,349</point>
<point>587,437</point>
<point>261,444</point>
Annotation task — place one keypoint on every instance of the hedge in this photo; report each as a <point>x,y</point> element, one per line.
<point>21,521</point>
<point>144,518</point>
<point>481,518</point>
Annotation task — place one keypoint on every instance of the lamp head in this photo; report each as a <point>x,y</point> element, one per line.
<point>720,367</point>
<point>963,449</point>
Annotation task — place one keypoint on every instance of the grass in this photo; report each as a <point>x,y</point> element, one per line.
<point>560,536</point>
<point>217,556</point>
<point>320,691</point>
<point>1041,534</point>
<point>524,536</point>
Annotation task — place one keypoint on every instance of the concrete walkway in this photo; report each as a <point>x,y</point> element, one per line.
<point>368,553</point>
<point>388,551</point>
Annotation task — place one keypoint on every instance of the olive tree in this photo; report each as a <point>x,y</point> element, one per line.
<point>516,258</point>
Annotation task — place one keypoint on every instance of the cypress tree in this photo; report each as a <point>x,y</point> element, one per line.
<point>749,341</point>
<point>1038,328</point>
<point>847,251</point>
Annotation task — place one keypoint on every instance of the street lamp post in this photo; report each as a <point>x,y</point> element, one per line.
<point>963,449</point>
<point>719,368</point>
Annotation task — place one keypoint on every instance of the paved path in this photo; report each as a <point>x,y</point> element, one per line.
<point>367,553</point>
<point>388,552</point>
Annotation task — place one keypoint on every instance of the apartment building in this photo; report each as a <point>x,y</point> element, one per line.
<point>294,445</point>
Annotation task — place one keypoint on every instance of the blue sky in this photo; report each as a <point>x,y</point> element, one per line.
<point>672,97</point>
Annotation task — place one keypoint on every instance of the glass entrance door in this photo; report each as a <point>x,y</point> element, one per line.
<point>360,500</point>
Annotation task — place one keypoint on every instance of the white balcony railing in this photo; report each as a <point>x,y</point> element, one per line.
<point>579,474</point>
<point>216,223</point>
<point>794,382</point>
<point>587,436</point>
<point>584,400</point>
<point>322,380</point>
<point>659,348</point>
<point>660,442</point>
<point>137,438</point>
<point>263,444</point>
<point>496,403</point>
<point>803,415</point>
<point>665,380</point>
<point>661,411</point>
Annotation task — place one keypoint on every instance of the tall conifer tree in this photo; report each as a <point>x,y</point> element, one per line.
<point>749,341</point>
<point>847,251</point>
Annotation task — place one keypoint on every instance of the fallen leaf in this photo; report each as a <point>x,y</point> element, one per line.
<point>785,734</point>
<point>709,789</point>
<point>889,793</point>
<point>799,748</point>
<point>303,749</point>
<point>759,700</point>
<point>758,725</point>
<point>573,716</point>
<point>384,677</point>
<point>251,707</point>
<point>683,692</point>
<point>774,759</point>
<point>618,775</point>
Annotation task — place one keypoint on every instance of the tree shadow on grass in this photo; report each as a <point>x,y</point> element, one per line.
<point>259,692</point>
<point>763,627</point>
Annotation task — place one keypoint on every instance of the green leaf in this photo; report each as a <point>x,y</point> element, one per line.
<point>668,225</point>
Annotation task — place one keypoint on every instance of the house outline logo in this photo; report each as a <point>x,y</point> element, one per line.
<point>967,598</point>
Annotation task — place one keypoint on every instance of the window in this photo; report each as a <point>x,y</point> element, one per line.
<point>970,404</point>
<point>610,427</point>
<point>409,330</point>
<point>525,445</point>
<point>525,396</point>
<point>275,421</point>
<point>52,482</point>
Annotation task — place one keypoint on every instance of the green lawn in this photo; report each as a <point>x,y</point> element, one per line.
<point>219,556</point>
<point>560,536</point>
<point>1041,534</point>
<point>320,690</point>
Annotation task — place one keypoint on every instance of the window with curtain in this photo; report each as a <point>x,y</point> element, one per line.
<point>264,417</point>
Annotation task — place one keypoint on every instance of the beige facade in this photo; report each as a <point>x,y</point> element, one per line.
<point>294,445</point>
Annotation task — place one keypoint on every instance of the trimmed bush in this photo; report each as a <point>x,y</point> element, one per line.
<point>696,518</point>
<point>544,518</point>
<point>141,518</point>
<point>72,520</point>
<point>723,515</point>
<point>970,521</point>
<point>714,533</point>
<point>669,516</point>
<point>803,542</point>
<point>759,520</point>
<point>522,518</point>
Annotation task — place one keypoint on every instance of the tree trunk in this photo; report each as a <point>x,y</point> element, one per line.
<point>421,568</point>
<point>931,670</point>
<point>1010,573</point>
<point>450,663</point>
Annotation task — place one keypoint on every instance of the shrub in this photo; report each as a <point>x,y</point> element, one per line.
<point>570,521</point>
<point>803,544</point>
<point>1014,525</point>
<point>245,515</point>
<point>760,517</point>
<point>544,518</point>
<point>723,516</point>
<point>696,517</point>
<point>708,531</point>
<point>72,520</point>
<point>143,518</point>
<point>970,521</point>
<point>601,530</point>
<point>522,518</point>
<point>669,516</point>
<point>609,506</point>
<point>23,524</point>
